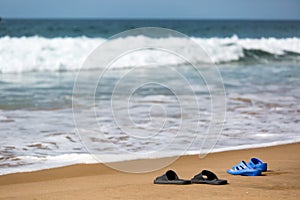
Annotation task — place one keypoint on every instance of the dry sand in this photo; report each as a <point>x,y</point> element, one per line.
<point>96,181</point>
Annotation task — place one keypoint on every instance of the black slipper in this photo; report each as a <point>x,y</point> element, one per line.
<point>170,177</point>
<point>208,177</point>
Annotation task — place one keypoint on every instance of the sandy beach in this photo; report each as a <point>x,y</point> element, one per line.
<point>96,181</point>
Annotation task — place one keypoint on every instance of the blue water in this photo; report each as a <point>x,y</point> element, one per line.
<point>106,28</point>
<point>259,62</point>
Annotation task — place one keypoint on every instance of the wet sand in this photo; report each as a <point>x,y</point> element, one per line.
<point>97,181</point>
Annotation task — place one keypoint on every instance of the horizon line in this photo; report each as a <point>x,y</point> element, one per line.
<point>132,18</point>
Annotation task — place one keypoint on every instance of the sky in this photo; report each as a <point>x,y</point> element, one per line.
<point>152,9</point>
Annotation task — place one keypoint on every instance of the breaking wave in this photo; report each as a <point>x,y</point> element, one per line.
<point>27,54</point>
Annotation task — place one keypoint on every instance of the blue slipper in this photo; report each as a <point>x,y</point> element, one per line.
<point>244,170</point>
<point>256,163</point>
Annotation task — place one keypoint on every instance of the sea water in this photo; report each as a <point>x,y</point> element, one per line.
<point>259,62</point>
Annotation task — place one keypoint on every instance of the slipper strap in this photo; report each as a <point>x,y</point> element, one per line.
<point>210,176</point>
<point>170,175</point>
<point>241,166</point>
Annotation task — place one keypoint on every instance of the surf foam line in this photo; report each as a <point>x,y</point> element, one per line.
<point>30,54</point>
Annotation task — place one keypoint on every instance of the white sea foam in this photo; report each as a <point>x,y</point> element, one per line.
<point>36,53</point>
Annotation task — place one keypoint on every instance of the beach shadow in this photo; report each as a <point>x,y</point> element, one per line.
<point>274,173</point>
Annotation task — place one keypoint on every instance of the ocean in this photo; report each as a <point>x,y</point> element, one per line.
<point>41,61</point>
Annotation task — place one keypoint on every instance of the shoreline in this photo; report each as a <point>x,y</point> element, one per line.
<point>91,181</point>
<point>89,159</point>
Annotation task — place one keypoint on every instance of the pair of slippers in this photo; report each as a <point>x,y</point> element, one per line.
<point>253,168</point>
<point>205,177</point>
